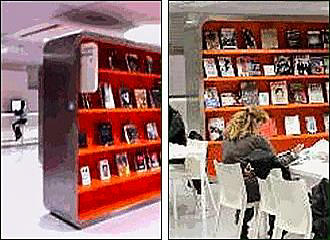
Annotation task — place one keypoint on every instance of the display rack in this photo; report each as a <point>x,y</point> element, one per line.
<point>63,118</point>
<point>280,142</point>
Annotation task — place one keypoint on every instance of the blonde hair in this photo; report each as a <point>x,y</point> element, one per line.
<point>245,123</point>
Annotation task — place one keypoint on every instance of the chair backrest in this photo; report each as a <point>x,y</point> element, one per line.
<point>267,198</point>
<point>196,158</point>
<point>231,185</point>
<point>292,205</point>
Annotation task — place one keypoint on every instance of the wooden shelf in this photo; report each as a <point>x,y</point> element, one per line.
<point>136,74</point>
<point>264,78</point>
<point>118,110</point>
<point>123,146</point>
<point>264,51</point>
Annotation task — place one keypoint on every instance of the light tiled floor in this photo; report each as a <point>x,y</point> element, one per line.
<point>23,214</point>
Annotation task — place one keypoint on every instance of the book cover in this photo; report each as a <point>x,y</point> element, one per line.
<point>112,59</point>
<point>154,160</point>
<point>107,96</point>
<point>141,98</point>
<point>302,65</point>
<point>212,40</point>
<point>326,122</point>
<point>148,64</point>
<point>315,93</point>
<point>249,93</point>
<point>152,131</point>
<point>317,65</point>
<point>211,98</point>
<point>269,70</point>
<point>130,133</point>
<point>140,164</point>
<point>82,139</point>
<point>254,67</point>
<point>297,93</point>
<point>314,39</point>
<point>210,67</point>
<point>283,65</point>
<point>228,38</point>
<point>292,125</point>
<point>104,169</point>
<point>122,164</point>
<point>229,99</point>
<point>293,38</point>
<point>85,176</point>
<point>155,98</point>
<point>216,126</point>
<point>279,92</point>
<point>263,98</point>
<point>132,62</point>
<point>269,38</point>
<point>268,129</point>
<point>326,64</point>
<point>226,67</point>
<point>242,64</point>
<point>327,90</point>
<point>105,134</point>
<point>249,39</point>
<point>311,124</point>
<point>325,38</point>
<point>125,98</point>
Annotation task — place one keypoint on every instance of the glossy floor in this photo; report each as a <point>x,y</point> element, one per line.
<point>23,214</point>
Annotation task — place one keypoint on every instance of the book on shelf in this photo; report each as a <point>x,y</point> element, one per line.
<point>82,140</point>
<point>212,40</point>
<point>326,64</point>
<point>85,176</point>
<point>326,122</point>
<point>132,62</point>
<point>311,124</point>
<point>269,70</point>
<point>268,129</point>
<point>141,98</point>
<point>112,59</point>
<point>249,39</point>
<point>249,93</point>
<point>317,66</point>
<point>229,99</point>
<point>269,38</point>
<point>226,67</point>
<point>279,92</point>
<point>325,38</point>
<point>254,67</point>
<point>210,67</point>
<point>293,38</point>
<point>148,64</point>
<point>154,161</point>
<point>107,96</point>
<point>297,93</point>
<point>314,39</point>
<point>283,65</point>
<point>104,169</point>
<point>105,134</point>
<point>122,164</point>
<point>130,133</point>
<point>140,163</point>
<point>152,131</point>
<point>228,38</point>
<point>242,64</point>
<point>302,65</point>
<point>315,93</point>
<point>155,98</point>
<point>211,98</point>
<point>125,98</point>
<point>327,90</point>
<point>216,127</point>
<point>292,125</point>
<point>263,98</point>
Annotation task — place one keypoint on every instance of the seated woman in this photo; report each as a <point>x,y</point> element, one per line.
<point>21,120</point>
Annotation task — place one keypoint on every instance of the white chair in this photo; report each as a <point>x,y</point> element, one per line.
<point>293,210</point>
<point>232,191</point>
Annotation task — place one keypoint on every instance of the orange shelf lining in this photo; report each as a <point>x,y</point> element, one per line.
<point>136,74</point>
<point>264,51</point>
<point>264,78</point>
<point>118,110</point>
<point>124,146</point>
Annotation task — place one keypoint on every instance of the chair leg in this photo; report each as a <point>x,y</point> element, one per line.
<point>277,233</point>
<point>217,221</point>
<point>240,222</point>
<point>258,224</point>
<point>211,196</point>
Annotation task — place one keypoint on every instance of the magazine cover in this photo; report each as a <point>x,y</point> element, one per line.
<point>325,38</point>
<point>269,38</point>
<point>212,40</point>
<point>130,133</point>
<point>210,68</point>
<point>311,124</point>
<point>326,64</point>
<point>314,39</point>
<point>317,65</point>
<point>254,67</point>
<point>85,176</point>
<point>105,134</point>
<point>268,129</point>
<point>226,67</point>
<point>249,39</point>
<point>229,99</point>
<point>141,98</point>
<point>140,164</point>
<point>107,96</point>
<point>152,131</point>
<point>155,98</point>
<point>292,125</point>
<point>269,70</point>
<point>279,92</point>
<point>132,62</point>
<point>104,169</point>
<point>326,122</point>
<point>283,65</point>
<point>122,164</point>
<point>242,64</point>
<point>297,93</point>
<point>228,38</point>
<point>293,38</point>
<point>327,90</point>
<point>249,93</point>
<point>302,65</point>
<point>216,126</point>
<point>211,98</point>
<point>125,98</point>
<point>315,93</point>
<point>148,64</point>
<point>263,98</point>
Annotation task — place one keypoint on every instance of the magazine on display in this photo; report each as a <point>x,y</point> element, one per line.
<point>210,67</point>
<point>155,98</point>
<point>269,70</point>
<point>254,68</point>
<point>249,93</point>
<point>141,98</point>
<point>82,140</point>
<point>107,96</point>
<point>326,122</point>
<point>140,163</point>
<point>152,131</point>
<point>242,64</point>
<point>85,176</point>
<point>112,59</point>
<point>293,38</point>
<point>148,64</point>
<point>314,39</point>
<point>216,126</point>
<point>327,90</point>
<point>283,65</point>
<point>212,40</point>
<point>249,39</point>
<point>302,65</point>
<point>311,124</point>
<point>132,62</point>
<point>154,160</point>
<point>130,133</point>
<point>269,38</point>
<point>263,98</point>
<point>292,125</point>
<point>317,66</point>
<point>315,93</point>
<point>326,64</point>
<point>268,129</point>
<point>229,99</point>
<point>104,169</point>
<point>325,38</point>
<point>279,92</point>
<point>105,134</point>
<point>122,164</point>
<point>297,93</point>
<point>226,67</point>
<point>211,98</point>
<point>228,38</point>
<point>125,98</point>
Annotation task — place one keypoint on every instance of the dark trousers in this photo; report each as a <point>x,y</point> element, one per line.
<point>16,127</point>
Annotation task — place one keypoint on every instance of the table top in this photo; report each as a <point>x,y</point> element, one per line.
<point>313,168</point>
